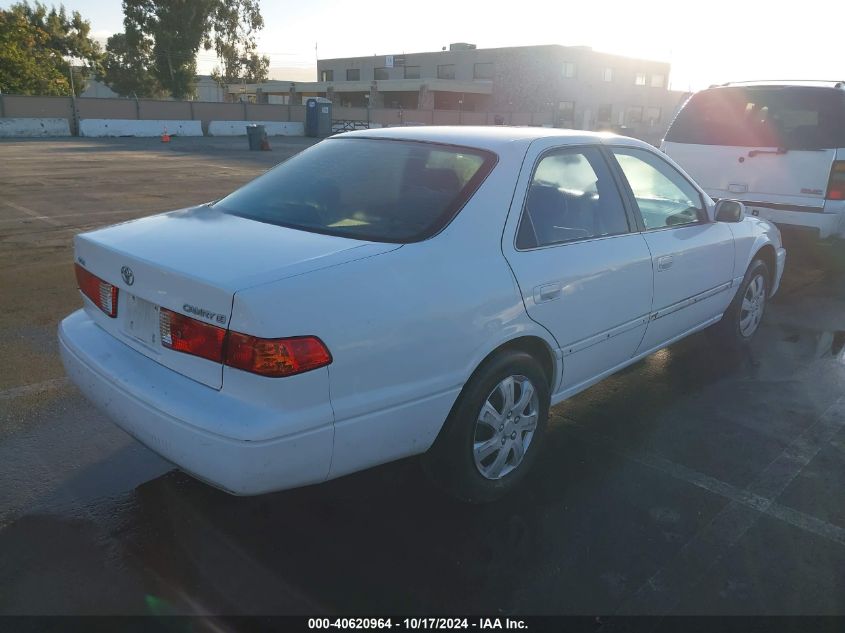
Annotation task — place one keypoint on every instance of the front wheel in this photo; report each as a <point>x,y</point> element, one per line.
<point>742,318</point>
<point>494,431</point>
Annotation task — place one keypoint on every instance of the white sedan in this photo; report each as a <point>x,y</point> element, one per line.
<point>405,291</point>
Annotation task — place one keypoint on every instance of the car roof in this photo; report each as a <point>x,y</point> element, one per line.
<point>495,138</point>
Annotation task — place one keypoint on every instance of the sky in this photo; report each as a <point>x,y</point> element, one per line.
<point>706,43</point>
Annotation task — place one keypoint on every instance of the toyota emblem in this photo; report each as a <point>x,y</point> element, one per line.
<point>128,275</point>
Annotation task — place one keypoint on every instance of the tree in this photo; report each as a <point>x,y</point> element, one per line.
<point>175,30</point>
<point>27,65</point>
<point>127,68</point>
<point>62,41</point>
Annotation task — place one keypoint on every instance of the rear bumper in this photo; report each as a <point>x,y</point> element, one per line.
<point>148,400</point>
<point>827,224</point>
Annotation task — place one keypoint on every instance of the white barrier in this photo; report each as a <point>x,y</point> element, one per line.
<point>132,127</point>
<point>273,128</point>
<point>26,127</point>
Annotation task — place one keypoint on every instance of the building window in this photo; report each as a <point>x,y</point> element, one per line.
<point>566,112</point>
<point>652,115</point>
<point>568,69</point>
<point>483,70</point>
<point>326,75</point>
<point>607,74</point>
<point>604,113</point>
<point>353,74</point>
<point>634,116</point>
<point>412,72</point>
<point>446,71</point>
<point>639,79</point>
<point>657,81</point>
<point>380,73</point>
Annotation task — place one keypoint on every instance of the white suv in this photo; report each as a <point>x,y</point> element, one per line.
<point>779,147</point>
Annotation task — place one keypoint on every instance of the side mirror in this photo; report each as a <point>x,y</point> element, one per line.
<point>729,211</point>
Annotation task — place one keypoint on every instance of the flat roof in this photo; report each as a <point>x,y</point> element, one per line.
<point>583,49</point>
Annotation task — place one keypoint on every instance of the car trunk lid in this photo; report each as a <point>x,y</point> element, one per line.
<point>193,262</point>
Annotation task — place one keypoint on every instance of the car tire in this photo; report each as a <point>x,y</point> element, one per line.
<point>742,319</point>
<point>487,445</point>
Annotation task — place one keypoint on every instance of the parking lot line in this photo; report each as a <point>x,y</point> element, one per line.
<point>31,213</point>
<point>661,592</point>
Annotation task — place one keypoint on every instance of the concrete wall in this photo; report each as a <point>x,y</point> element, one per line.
<point>273,128</point>
<point>31,126</point>
<point>134,127</point>
<point>35,107</point>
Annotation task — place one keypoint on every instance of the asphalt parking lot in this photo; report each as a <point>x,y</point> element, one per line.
<point>695,482</point>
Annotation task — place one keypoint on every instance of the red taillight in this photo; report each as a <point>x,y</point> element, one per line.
<point>190,336</point>
<point>276,357</point>
<point>100,292</point>
<point>273,357</point>
<point>836,184</point>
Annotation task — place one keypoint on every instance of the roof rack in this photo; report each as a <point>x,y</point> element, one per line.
<point>838,83</point>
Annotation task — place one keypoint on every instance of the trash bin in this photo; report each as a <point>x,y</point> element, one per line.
<point>255,134</point>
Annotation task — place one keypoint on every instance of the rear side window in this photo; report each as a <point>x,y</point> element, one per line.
<point>380,190</point>
<point>790,117</point>
<point>572,196</point>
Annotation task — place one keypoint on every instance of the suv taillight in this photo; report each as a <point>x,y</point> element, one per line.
<point>836,184</point>
<point>100,292</point>
<point>275,358</point>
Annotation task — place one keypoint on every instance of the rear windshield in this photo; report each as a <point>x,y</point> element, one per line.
<point>790,117</point>
<point>368,189</point>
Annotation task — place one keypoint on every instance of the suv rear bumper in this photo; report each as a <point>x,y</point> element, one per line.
<point>827,224</point>
<point>141,397</point>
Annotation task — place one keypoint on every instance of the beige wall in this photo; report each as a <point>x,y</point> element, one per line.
<point>36,107</point>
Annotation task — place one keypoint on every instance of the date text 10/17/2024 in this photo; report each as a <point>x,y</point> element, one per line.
<point>418,623</point>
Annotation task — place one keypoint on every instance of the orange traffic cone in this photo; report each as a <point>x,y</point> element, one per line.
<point>165,137</point>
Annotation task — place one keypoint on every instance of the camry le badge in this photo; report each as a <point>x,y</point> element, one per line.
<point>128,275</point>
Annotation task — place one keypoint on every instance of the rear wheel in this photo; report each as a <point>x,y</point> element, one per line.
<point>494,432</point>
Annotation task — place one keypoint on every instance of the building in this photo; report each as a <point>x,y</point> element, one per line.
<point>574,86</point>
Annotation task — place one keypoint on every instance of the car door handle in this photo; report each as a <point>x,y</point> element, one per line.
<point>665,262</point>
<point>546,292</point>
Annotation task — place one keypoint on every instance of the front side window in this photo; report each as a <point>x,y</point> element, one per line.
<point>664,197</point>
<point>367,189</point>
<point>572,196</point>
<point>446,71</point>
<point>353,74</point>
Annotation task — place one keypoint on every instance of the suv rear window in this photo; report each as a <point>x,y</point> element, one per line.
<point>790,117</point>
<point>369,189</point>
